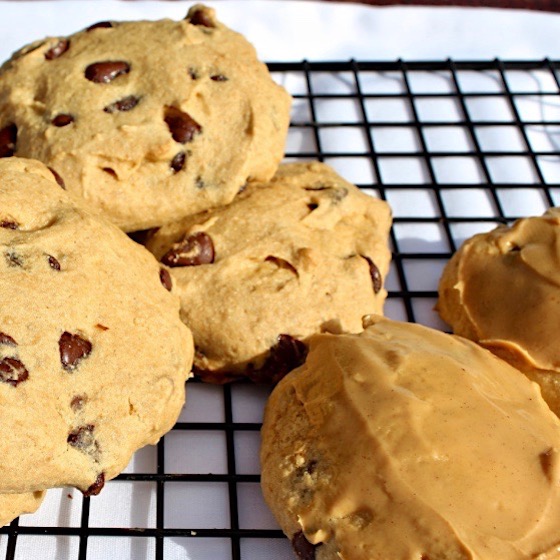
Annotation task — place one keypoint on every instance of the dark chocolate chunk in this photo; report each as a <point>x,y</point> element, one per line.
<point>58,50</point>
<point>100,25</point>
<point>96,487</point>
<point>201,17</point>
<point>178,162</point>
<point>106,71</point>
<point>82,438</point>
<point>58,178</point>
<point>13,259</point>
<point>376,279</point>
<point>193,73</point>
<point>282,263</point>
<point>8,224</point>
<point>101,327</point>
<point>7,339</point>
<point>547,459</point>
<point>165,279</point>
<point>53,263</point>
<point>62,120</point>
<point>110,171</point>
<point>124,104</point>
<point>77,403</point>
<point>8,138</point>
<point>193,250</point>
<point>12,371</point>
<point>302,547</point>
<point>219,78</point>
<point>73,348</point>
<point>287,354</point>
<point>312,206</point>
<point>182,126</point>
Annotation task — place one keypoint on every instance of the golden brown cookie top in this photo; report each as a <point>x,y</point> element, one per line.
<point>149,120</point>
<point>93,355</point>
<point>303,253</point>
<point>404,442</point>
<point>502,288</point>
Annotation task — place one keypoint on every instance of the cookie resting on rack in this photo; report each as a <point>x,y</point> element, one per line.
<point>304,253</point>
<point>93,354</point>
<point>502,289</point>
<point>146,120</point>
<point>405,442</point>
<point>14,505</point>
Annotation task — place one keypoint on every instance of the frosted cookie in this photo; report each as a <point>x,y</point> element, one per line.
<point>93,354</point>
<point>303,253</point>
<point>404,442</point>
<point>502,289</point>
<point>148,121</point>
<point>14,505</point>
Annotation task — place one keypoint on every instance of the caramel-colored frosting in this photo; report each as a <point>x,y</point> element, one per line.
<point>419,445</point>
<point>503,289</point>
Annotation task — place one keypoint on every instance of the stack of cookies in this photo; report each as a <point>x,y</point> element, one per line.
<point>171,132</point>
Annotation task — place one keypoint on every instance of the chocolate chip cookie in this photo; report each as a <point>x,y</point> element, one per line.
<point>14,505</point>
<point>405,442</point>
<point>502,289</point>
<point>303,253</point>
<point>147,121</point>
<point>93,354</point>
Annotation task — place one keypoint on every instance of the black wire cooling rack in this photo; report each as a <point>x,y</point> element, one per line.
<point>455,147</point>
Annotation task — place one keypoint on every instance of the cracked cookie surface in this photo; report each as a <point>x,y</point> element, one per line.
<point>147,121</point>
<point>302,253</point>
<point>93,354</point>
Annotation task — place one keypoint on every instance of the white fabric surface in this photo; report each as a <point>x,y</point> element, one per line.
<point>292,30</point>
<point>285,30</point>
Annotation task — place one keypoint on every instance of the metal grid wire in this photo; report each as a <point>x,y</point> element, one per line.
<point>455,147</point>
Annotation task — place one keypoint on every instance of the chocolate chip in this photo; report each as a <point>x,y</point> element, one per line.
<point>124,104</point>
<point>182,126</point>
<point>110,171</point>
<point>376,279</point>
<point>106,71</point>
<point>82,438</point>
<point>58,50</point>
<point>8,224</point>
<point>8,138</point>
<point>547,460</point>
<point>165,279</point>
<point>312,206</point>
<point>282,263</point>
<point>199,183</point>
<point>53,263</point>
<point>287,354</point>
<point>13,259</point>
<point>96,487</point>
<point>99,25</point>
<point>193,73</point>
<point>58,178</point>
<point>178,162</point>
<point>194,250</point>
<point>77,403</point>
<point>201,17</point>
<point>12,371</point>
<point>7,339</point>
<point>73,348</point>
<point>302,547</point>
<point>62,120</point>
<point>101,327</point>
<point>219,78</point>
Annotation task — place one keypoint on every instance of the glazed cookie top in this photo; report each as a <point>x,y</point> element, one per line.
<point>149,121</point>
<point>502,289</point>
<point>302,253</point>
<point>404,442</point>
<point>93,354</point>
